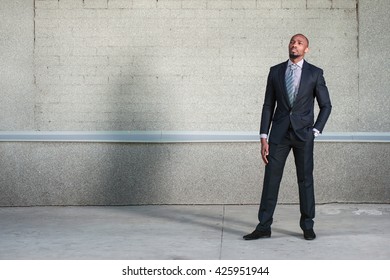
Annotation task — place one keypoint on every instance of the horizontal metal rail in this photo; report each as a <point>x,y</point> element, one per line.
<point>174,136</point>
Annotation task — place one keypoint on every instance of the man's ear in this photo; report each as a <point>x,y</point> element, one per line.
<point>306,50</point>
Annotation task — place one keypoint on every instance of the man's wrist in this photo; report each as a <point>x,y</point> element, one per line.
<point>263,138</point>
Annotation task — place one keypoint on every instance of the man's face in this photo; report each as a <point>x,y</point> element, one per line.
<point>297,47</point>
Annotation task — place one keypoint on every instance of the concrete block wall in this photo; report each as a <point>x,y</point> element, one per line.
<point>182,65</point>
<point>17,89</point>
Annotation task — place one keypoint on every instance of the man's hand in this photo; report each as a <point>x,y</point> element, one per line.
<point>264,150</point>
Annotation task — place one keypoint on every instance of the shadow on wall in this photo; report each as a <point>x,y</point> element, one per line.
<point>131,174</point>
<point>50,174</point>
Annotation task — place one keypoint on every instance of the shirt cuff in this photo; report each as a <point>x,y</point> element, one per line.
<point>263,135</point>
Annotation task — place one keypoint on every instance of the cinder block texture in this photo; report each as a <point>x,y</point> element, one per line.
<point>17,89</point>
<point>374,59</point>
<point>183,65</point>
<point>134,174</point>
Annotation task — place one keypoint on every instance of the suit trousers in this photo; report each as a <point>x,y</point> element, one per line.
<point>278,153</point>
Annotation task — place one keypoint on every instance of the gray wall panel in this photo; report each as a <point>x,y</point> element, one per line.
<point>197,173</point>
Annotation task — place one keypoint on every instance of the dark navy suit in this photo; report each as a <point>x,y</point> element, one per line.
<point>292,128</point>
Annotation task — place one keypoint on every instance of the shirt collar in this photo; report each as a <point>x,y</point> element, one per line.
<point>299,64</point>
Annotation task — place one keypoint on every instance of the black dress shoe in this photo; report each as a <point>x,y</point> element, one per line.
<point>309,234</point>
<point>256,234</point>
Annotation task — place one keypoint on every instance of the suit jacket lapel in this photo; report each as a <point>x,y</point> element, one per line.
<point>282,81</point>
<point>305,75</point>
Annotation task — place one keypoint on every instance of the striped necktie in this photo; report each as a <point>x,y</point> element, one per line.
<point>290,85</point>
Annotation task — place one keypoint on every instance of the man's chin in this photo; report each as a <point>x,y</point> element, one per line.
<point>293,56</point>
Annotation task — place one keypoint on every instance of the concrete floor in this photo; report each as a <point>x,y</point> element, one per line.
<point>213,232</point>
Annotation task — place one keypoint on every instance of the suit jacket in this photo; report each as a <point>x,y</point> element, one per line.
<point>276,121</point>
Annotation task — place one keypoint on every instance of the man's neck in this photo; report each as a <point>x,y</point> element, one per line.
<point>296,60</point>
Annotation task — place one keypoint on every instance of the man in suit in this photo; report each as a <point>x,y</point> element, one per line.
<point>287,121</point>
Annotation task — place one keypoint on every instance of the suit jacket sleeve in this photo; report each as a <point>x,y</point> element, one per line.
<point>323,100</point>
<point>268,106</point>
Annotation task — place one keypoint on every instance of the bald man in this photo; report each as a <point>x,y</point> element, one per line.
<point>287,122</point>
